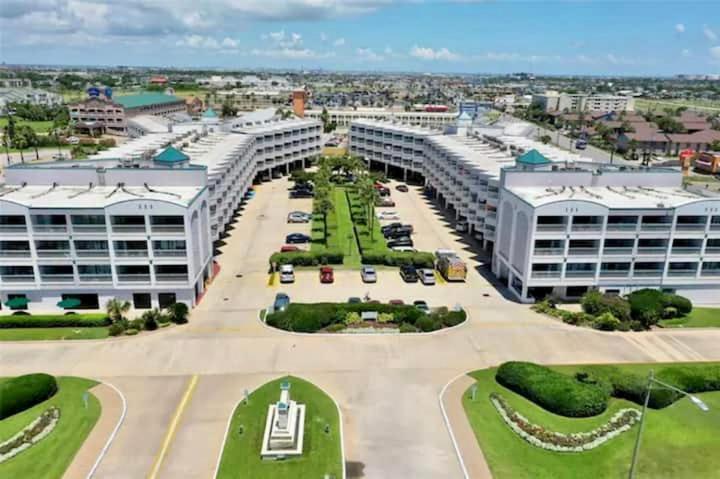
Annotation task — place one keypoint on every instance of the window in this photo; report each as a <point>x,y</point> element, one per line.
<point>142,301</point>
<point>87,301</point>
<point>166,299</point>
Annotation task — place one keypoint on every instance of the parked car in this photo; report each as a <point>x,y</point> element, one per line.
<point>396,226</point>
<point>288,248</point>
<point>404,249</point>
<point>402,241</point>
<point>297,238</point>
<point>461,227</point>
<point>73,140</point>
<point>427,276</point>
<point>384,201</point>
<point>396,302</point>
<point>422,306</point>
<point>305,185</point>
<point>581,144</point>
<point>388,215</point>
<point>384,191</point>
<point>298,217</point>
<point>354,300</point>
<point>281,303</point>
<point>402,188</point>
<point>277,174</point>
<point>408,273</point>
<point>368,274</point>
<point>326,274</point>
<point>390,226</point>
<point>287,273</point>
<point>398,232</point>
<point>301,194</point>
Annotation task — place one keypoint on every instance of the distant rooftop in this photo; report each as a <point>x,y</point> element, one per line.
<point>146,99</point>
<point>171,155</point>
<point>532,157</point>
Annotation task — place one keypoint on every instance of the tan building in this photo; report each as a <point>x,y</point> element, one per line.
<point>98,114</point>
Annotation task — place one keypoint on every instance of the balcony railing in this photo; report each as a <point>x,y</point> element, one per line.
<point>96,278</point>
<point>80,229</point>
<point>713,227</point>
<point>682,272</point>
<point>134,278</point>
<point>586,227</point>
<point>92,253</point>
<point>168,229</point>
<point>582,251</point>
<point>652,250</point>
<point>128,228</point>
<point>690,227</point>
<point>579,274</point>
<point>53,253</point>
<point>622,226</point>
<point>712,250</point>
<point>545,274</point>
<point>17,253</point>
<point>18,278</point>
<point>13,229</point>
<point>648,272</point>
<point>655,226</point>
<point>57,278</point>
<point>613,250</point>
<point>135,253</point>
<point>551,227</point>
<point>171,278</point>
<point>608,273</point>
<point>710,272</point>
<point>549,251</point>
<point>686,250</point>
<point>50,228</point>
<point>170,252</point>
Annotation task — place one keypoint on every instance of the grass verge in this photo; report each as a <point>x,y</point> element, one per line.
<point>698,318</point>
<point>322,452</point>
<point>678,442</point>
<point>50,457</point>
<point>340,234</point>
<point>38,334</point>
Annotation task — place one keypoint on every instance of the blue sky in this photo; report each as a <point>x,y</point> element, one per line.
<point>556,37</point>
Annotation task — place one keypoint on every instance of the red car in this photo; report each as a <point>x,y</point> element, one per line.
<point>288,248</point>
<point>326,274</point>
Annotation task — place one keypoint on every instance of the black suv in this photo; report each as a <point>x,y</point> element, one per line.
<point>402,241</point>
<point>408,273</point>
<point>400,231</point>
<point>301,194</point>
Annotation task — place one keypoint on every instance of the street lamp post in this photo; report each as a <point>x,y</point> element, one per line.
<point>654,382</point>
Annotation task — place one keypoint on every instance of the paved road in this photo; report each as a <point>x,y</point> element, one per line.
<point>387,386</point>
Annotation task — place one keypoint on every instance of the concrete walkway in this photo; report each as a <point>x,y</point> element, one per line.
<point>112,408</point>
<point>472,455</point>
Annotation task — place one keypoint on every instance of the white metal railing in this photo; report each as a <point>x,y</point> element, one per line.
<point>13,229</point>
<point>53,253</point>
<point>128,228</point>
<point>618,250</point>
<point>170,252</point>
<point>96,278</point>
<point>15,253</point>
<point>548,251</point>
<point>96,253</point>
<point>652,250</point>
<point>545,274</point>
<point>168,228</point>
<point>50,228</point>
<point>134,278</point>
<point>89,228</point>
<point>171,277</point>
<point>18,278</point>
<point>582,251</point>
<point>57,278</point>
<point>131,253</point>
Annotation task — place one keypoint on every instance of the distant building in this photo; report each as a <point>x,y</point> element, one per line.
<point>32,96</point>
<point>343,117</point>
<point>151,104</point>
<point>194,105</point>
<point>15,83</point>
<point>218,81</point>
<point>158,80</point>
<point>572,102</point>
<point>251,100</point>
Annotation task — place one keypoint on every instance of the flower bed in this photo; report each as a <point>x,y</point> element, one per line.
<point>538,436</point>
<point>30,435</point>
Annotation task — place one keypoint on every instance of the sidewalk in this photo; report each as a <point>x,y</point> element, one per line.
<point>111,404</point>
<point>470,451</point>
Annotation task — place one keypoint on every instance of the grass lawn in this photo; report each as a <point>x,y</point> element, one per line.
<point>33,334</point>
<point>679,441</point>
<point>339,230</point>
<point>369,243</point>
<point>38,126</point>
<point>321,451</point>
<point>52,455</point>
<point>698,318</point>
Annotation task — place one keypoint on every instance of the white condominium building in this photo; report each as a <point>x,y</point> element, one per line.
<point>136,222</point>
<point>573,102</point>
<point>555,224</point>
<point>343,117</point>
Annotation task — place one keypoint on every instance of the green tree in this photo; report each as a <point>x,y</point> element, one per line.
<point>116,309</point>
<point>545,139</point>
<point>323,205</point>
<point>328,126</point>
<point>368,195</point>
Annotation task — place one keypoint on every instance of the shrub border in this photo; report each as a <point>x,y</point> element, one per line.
<point>29,435</point>
<point>622,421</point>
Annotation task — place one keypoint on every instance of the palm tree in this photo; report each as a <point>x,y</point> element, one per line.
<point>368,194</point>
<point>116,309</point>
<point>323,205</point>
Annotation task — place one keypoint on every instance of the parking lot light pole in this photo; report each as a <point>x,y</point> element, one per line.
<point>657,384</point>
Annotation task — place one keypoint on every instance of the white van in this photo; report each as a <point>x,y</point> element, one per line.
<point>287,273</point>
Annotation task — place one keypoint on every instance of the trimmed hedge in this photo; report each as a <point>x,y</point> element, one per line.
<point>681,304</point>
<point>420,259</point>
<point>23,392</point>
<point>55,321</point>
<point>554,391</point>
<point>307,258</point>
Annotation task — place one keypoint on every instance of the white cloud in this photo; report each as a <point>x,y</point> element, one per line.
<point>715,52</point>
<point>685,52</point>
<point>339,42</point>
<point>367,54</point>
<point>229,43</point>
<point>323,37</point>
<point>198,41</point>
<point>292,53</point>
<point>680,28</point>
<point>709,33</point>
<point>426,53</point>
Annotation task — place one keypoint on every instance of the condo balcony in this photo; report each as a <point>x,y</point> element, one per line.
<point>17,278</point>
<point>128,224</point>
<point>12,224</point>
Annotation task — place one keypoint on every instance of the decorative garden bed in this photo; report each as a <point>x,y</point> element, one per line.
<point>30,435</point>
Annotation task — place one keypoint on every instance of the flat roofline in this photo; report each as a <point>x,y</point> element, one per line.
<point>60,165</point>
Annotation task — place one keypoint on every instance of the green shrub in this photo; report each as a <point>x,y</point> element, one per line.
<point>176,312</point>
<point>385,318</point>
<point>606,322</point>
<point>428,323</point>
<point>136,323</point>
<point>636,326</point>
<point>624,326</point>
<point>55,321</point>
<point>596,303</point>
<point>307,258</point>
<point>419,259</point>
<point>116,329</point>
<point>23,392</point>
<point>131,332</point>
<point>453,318</point>
<point>646,306</point>
<point>408,328</point>
<point>554,391</point>
<point>632,387</point>
<point>591,302</point>
<point>352,318</point>
<point>150,324</point>
<point>682,305</point>
<point>335,328</point>
<point>670,312</point>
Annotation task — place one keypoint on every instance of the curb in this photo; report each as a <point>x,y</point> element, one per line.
<point>342,436</point>
<point>449,427</point>
<point>113,434</point>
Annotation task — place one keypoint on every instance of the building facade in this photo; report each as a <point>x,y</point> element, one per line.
<point>343,117</point>
<point>574,102</point>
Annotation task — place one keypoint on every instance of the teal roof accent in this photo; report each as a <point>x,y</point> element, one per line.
<point>146,99</point>
<point>464,116</point>
<point>533,157</point>
<point>209,113</point>
<point>171,155</point>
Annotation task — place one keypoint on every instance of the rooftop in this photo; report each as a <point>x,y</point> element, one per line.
<point>171,155</point>
<point>532,157</point>
<point>146,99</point>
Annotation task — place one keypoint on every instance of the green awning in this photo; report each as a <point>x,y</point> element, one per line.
<point>17,302</point>
<point>69,303</point>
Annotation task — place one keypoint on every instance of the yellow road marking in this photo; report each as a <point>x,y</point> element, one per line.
<point>439,278</point>
<point>271,279</point>
<point>173,426</point>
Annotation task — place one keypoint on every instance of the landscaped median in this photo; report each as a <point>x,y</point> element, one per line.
<point>560,422</point>
<point>322,444</point>
<point>43,422</point>
<point>362,317</point>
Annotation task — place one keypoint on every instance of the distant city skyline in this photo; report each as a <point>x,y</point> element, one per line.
<point>560,37</point>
